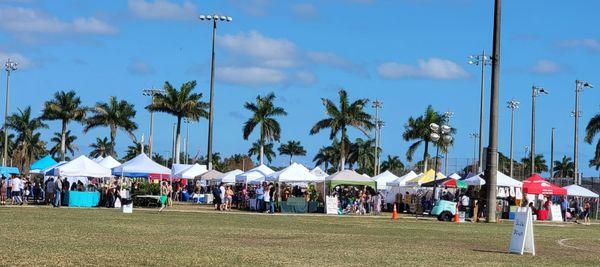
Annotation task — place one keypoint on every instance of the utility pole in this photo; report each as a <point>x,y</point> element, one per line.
<point>173,147</point>
<point>475,137</point>
<point>448,115</point>
<point>535,92</point>
<point>151,93</point>
<point>187,138</point>
<point>579,86</point>
<point>9,66</point>
<point>552,154</point>
<point>214,19</point>
<point>483,61</point>
<point>378,123</point>
<point>491,170</point>
<point>512,105</point>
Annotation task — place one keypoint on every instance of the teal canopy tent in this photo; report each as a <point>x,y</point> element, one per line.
<point>42,164</point>
<point>7,171</point>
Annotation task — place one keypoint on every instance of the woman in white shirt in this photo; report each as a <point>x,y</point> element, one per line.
<point>267,198</point>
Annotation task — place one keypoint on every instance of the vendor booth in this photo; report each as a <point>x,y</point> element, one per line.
<point>384,178</point>
<point>142,166</point>
<point>229,177</point>
<point>42,164</point>
<point>535,186</point>
<point>297,175</point>
<point>80,169</point>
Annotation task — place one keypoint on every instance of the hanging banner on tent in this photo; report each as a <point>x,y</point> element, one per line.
<point>522,233</point>
<point>331,205</point>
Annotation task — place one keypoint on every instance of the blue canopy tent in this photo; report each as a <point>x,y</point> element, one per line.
<point>42,164</point>
<point>7,171</point>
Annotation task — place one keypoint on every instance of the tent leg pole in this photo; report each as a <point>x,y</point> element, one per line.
<point>597,204</point>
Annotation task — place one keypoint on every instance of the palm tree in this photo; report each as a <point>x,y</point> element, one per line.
<point>292,148</point>
<point>340,118</point>
<point>180,103</point>
<point>328,155</point>
<point>11,143</point>
<point>101,148</point>
<point>540,163</point>
<point>28,143</point>
<point>417,129</point>
<point>115,115</point>
<point>592,129</point>
<point>393,164</point>
<point>260,150</point>
<point>362,152</point>
<point>68,144</point>
<point>264,112</point>
<point>563,168</point>
<point>66,107</point>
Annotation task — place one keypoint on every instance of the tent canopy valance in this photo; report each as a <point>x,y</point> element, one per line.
<point>384,178</point>
<point>293,173</point>
<point>82,166</point>
<point>539,186</point>
<point>578,191</point>
<point>141,166</point>
<point>42,164</point>
<point>257,174</point>
<point>349,177</point>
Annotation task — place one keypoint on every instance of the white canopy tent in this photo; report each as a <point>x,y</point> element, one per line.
<point>82,166</point>
<point>177,168</point>
<point>294,173</point>
<point>578,191</point>
<point>190,172</point>
<point>455,176</point>
<point>257,174</point>
<point>474,180</point>
<point>98,159</point>
<point>109,162</point>
<point>229,177</point>
<point>502,180</point>
<point>141,166</point>
<point>318,172</point>
<point>384,178</point>
<point>401,182</point>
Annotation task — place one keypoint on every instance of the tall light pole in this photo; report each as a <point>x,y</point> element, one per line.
<point>187,138</point>
<point>475,137</point>
<point>440,136</point>
<point>151,93</point>
<point>579,86</point>
<point>513,105</point>
<point>9,66</point>
<point>535,92</point>
<point>173,146</point>
<point>552,153</point>
<point>448,115</point>
<point>491,170</point>
<point>214,19</point>
<point>483,61</point>
<point>378,123</point>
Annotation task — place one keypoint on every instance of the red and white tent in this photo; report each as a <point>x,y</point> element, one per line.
<point>539,186</point>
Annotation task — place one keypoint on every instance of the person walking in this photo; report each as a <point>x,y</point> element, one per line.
<point>586,211</point>
<point>267,198</point>
<point>164,192</point>
<point>564,205</point>
<point>57,191</point>
<point>216,197</point>
<point>229,197</point>
<point>3,192</point>
<point>16,191</point>
<point>272,198</point>
<point>465,203</point>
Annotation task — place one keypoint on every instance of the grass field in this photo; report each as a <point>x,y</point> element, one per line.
<point>45,236</point>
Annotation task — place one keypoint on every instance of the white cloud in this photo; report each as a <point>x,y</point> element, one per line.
<point>335,61</point>
<point>433,68</point>
<point>592,45</point>
<point>139,67</point>
<point>162,9</point>
<point>22,61</point>
<point>250,76</point>
<point>19,20</point>
<point>544,66</point>
<point>262,50</point>
<point>305,10</point>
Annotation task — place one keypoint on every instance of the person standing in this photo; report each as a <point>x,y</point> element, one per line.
<point>164,192</point>
<point>564,205</point>
<point>16,191</point>
<point>3,193</point>
<point>272,198</point>
<point>586,211</point>
<point>49,191</point>
<point>216,197</point>
<point>260,197</point>
<point>229,197</point>
<point>267,198</point>
<point>57,191</point>
<point>465,203</point>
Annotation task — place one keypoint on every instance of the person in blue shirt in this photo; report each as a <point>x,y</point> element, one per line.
<point>260,199</point>
<point>564,205</point>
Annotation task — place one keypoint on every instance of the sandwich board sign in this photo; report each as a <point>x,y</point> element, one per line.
<point>555,214</point>
<point>331,205</point>
<point>522,233</point>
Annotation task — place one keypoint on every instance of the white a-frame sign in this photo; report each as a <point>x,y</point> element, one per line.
<point>522,233</point>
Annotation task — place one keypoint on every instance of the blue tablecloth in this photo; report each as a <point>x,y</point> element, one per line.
<point>84,199</point>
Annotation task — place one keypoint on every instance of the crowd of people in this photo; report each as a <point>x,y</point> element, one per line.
<point>359,200</point>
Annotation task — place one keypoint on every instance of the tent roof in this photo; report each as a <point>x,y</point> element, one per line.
<point>349,177</point>
<point>82,166</point>
<point>210,175</point>
<point>257,173</point>
<point>424,178</point>
<point>42,164</point>
<point>191,172</point>
<point>229,177</point>
<point>455,176</point>
<point>98,159</point>
<point>109,162</point>
<point>177,168</point>
<point>294,173</point>
<point>575,190</point>
<point>538,185</point>
<point>141,166</point>
<point>402,180</point>
<point>318,172</point>
<point>474,180</point>
<point>7,171</point>
<point>383,178</point>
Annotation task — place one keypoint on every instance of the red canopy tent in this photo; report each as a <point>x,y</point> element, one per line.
<point>538,185</point>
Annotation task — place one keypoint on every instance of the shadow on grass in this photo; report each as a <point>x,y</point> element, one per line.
<point>491,251</point>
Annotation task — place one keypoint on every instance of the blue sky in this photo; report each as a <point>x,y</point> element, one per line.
<point>408,53</point>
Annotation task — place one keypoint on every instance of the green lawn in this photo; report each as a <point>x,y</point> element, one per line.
<point>46,236</point>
